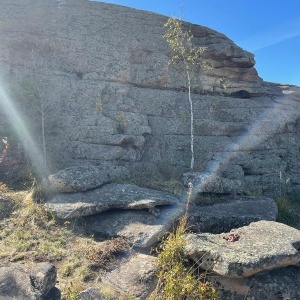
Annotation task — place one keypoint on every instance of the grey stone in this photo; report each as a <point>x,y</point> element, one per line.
<point>135,277</point>
<point>43,277</point>
<point>263,245</point>
<point>233,212</point>
<point>142,228</point>
<point>17,282</point>
<point>130,106</point>
<point>83,178</point>
<point>279,284</point>
<point>90,294</point>
<point>211,183</point>
<point>109,196</point>
<point>6,207</point>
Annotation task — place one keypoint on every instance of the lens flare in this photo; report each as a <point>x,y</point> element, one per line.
<point>19,125</point>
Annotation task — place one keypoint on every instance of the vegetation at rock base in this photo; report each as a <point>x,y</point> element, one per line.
<point>177,280</point>
<point>32,234</point>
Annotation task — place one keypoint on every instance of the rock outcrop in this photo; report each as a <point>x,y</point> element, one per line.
<point>232,212</point>
<point>135,277</point>
<point>263,245</point>
<point>110,196</point>
<point>111,95</point>
<point>34,283</point>
<point>141,228</point>
<point>279,284</point>
<point>84,178</point>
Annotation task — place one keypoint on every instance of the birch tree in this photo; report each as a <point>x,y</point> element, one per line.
<point>189,57</point>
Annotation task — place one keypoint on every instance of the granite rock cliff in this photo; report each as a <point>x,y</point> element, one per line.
<point>104,70</point>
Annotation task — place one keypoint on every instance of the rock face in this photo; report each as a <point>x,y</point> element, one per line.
<point>135,277</point>
<point>37,283</point>
<point>235,212</point>
<point>110,196</point>
<point>141,228</point>
<point>83,178</point>
<point>263,245</point>
<point>203,183</point>
<point>277,284</point>
<point>111,95</point>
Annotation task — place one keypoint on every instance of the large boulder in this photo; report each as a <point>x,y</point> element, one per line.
<point>142,228</point>
<point>33,283</point>
<point>233,212</point>
<point>134,277</point>
<point>83,178</point>
<point>263,245</point>
<point>109,196</point>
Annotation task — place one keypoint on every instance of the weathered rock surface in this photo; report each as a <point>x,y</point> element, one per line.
<point>83,178</point>
<point>119,100</point>
<point>135,277</point>
<point>279,284</point>
<point>110,196</point>
<point>235,212</point>
<point>263,245</point>
<point>90,294</point>
<point>35,283</point>
<point>6,207</point>
<point>142,228</point>
<point>211,183</point>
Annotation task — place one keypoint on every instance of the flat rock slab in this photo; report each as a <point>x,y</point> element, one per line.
<point>135,277</point>
<point>109,196</point>
<point>142,228</point>
<point>263,245</point>
<point>84,178</point>
<point>235,212</point>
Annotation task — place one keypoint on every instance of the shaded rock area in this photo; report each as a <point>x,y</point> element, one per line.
<point>263,245</point>
<point>110,196</point>
<point>208,183</point>
<point>279,284</point>
<point>83,178</point>
<point>135,277</point>
<point>233,212</point>
<point>90,294</point>
<point>34,283</point>
<point>142,228</point>
<point>6,207</point>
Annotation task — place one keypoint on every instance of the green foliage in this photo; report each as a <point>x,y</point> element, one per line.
<point>99,106</point>
<point>176,279</point>
<point>72,293</point>
<point>181,43</point>
<point>190,58</point>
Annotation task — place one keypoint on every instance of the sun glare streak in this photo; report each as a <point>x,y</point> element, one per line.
<point>271,121</point>
<point>20,128</point>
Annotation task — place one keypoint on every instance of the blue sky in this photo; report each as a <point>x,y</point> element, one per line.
<point>269,29</point>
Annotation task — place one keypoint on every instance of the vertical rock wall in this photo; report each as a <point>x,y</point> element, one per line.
<point>104,74</point>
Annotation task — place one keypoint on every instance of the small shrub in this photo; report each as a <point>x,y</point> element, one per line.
<point>176,279</point>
